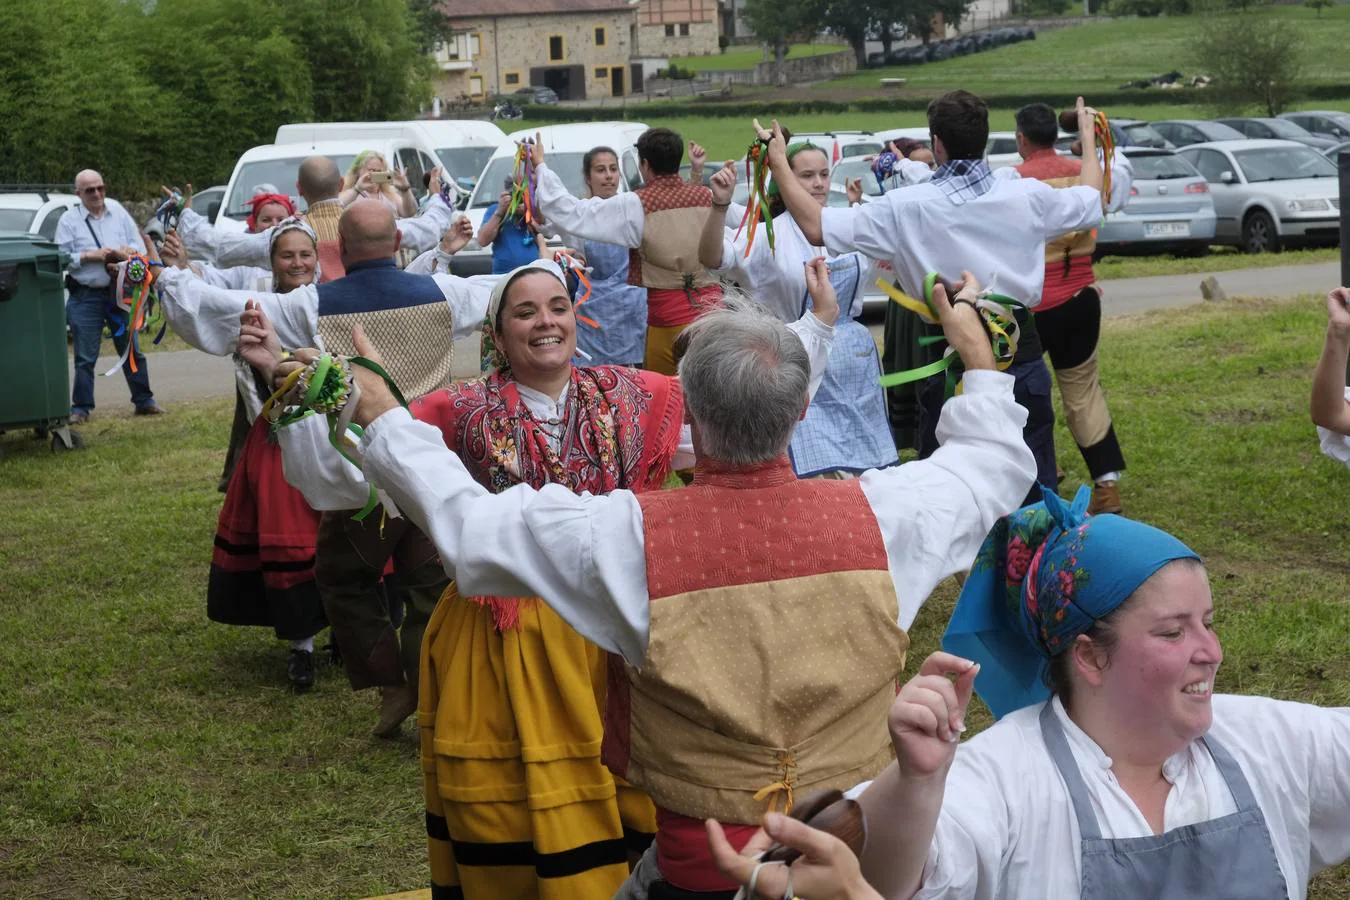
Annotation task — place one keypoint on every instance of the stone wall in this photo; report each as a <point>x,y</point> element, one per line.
<point>701,40</point>
<point>795,69</point>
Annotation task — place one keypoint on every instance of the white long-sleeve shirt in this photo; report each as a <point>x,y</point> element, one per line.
<point>584,554</point>
<point>1007,827</point>
<point>610,220</point>
<point>230,248</point>
<point>1334,444</point>
<point>329,482</point>
<point>999,236</point>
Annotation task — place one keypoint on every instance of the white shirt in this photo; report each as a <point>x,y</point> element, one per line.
<point>1007,827</point>
<point>1334,444</point>
<point>207,317</point>
<point>584,554</point>
<point>609,220</point>
<point>75,235</point>
<point>999,236</point>
<point>230,248</point>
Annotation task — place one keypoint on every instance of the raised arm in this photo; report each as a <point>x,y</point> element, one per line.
<point>468,299</point>
<point>611,220</point>
<point>804,209</point>
<point>713,243</point>
<point>1329,407</point>
<point>1092,166</point>
<point>207,317</point>
<point>422,232</point>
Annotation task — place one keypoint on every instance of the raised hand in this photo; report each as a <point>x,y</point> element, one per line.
<point>824,301</point>
<point>537,150</point>
<point>723,185</point>
<point>434,185</point>
<point>258,344</point>
<point>457,236</point>
<point>1338,310</point>
<point>962,325</point>
<point>853,188</point>
<point>826,870</point>
<point>172,252</point>
<point>697,156</point>
<point>928,715</point>
<point>365,184</point>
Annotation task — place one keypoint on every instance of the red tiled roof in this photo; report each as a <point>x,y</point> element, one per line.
<point>477,9</point>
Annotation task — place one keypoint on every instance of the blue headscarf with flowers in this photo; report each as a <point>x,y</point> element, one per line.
<point>1044,575</point>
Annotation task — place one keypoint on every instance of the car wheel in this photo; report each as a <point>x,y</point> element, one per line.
<point>1259,234</point>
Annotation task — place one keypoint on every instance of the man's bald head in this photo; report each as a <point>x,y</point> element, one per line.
<point>367,231</point>
<point>319,179</point>
<point>91,191</point>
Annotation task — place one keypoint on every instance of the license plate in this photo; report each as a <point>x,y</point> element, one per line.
<point>1167,229</point>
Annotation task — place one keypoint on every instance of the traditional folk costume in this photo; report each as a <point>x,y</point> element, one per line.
<point>616,306</point>
<point>965,218</point>
<point>660,223</point>
<point>845,427</point>
<point>1069,319</point>
<point>262,565</point>
<point>716,707</point>
<point>1257,805</point>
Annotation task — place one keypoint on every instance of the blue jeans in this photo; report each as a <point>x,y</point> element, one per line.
<point>88,310</point>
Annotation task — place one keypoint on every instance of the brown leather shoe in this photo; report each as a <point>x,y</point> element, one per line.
<point>1105,498</point>
<point>396,704</point>
<point>153,409</point>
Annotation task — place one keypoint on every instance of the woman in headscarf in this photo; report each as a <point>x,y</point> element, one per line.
<point>519,804</point>
<point>369,176</point>
<point>845,430</point>
<point>262,566</point>
<point>1114,770</point>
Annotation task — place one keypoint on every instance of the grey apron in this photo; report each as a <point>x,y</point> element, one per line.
<point>1228,858</point>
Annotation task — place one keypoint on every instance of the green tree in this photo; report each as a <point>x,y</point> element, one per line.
<point>1318,5</point>
<point>1254,61</point>
<point>778,22</point>
<point>852,20</point>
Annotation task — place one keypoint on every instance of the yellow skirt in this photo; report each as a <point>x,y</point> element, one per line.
<point>519,804</point>
<point>661,348</point>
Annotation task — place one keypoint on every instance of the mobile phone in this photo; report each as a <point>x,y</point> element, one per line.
<point>382,177</point>
<point>508,184</point>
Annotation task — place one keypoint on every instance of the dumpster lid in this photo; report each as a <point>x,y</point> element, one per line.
<point>23,246</point>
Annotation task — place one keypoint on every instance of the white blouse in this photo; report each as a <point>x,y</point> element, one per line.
<point>1335,445</point>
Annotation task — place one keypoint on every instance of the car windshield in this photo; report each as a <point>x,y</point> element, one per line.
<point>1284,164</point>
<point>566,166</point>
<point>856,169</point>
<point>465,162</point>
<point>16,219</point>
<point>1286,129</point>
<point>1145,135</point>
<point>866,148</point>
<point>1161,167</point>
<point>270,175</point>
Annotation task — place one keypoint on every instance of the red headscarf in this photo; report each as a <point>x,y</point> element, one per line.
<point>258,201</point>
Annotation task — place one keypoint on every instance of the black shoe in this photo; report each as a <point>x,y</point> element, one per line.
<point>300,670</point>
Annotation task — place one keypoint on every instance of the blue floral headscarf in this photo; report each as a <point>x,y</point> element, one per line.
<point>1044,575</point>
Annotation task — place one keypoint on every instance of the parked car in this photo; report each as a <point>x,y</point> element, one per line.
<point>1268,194</point>
<point>1334,152</point>
<point>842,144</point>
<point>34,208</point>
<point>1138,133</point>
<point>1184,132</point>
<point>1328,123</point>
<point>1169,207</point>
<point>849,169</point>
<point>1277,129</point>
<point>204,203</point>
<point>1001,150</point>
<point>537,93</point>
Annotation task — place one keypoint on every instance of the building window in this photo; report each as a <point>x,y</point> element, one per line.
<point>475,45</point>
<point>601,72</point>
<point>670,31</point>
<point>556,51</point>
<point>476,85</point>
<point>684,29</point>
<point>599,36</point>
<point>511,79</point>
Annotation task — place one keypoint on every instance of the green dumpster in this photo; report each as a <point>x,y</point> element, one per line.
<point>34,369</point>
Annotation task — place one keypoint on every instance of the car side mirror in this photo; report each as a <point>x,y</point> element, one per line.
<point>1228,178</point>
<point>212,209</point>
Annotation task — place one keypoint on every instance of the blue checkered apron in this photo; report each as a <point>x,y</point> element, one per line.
<point>619,308</point>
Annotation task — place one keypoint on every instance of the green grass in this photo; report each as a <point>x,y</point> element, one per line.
<point>736,58</point>
<point>149,753</point>
<point>1221,259</point>
<point>1097,58</point>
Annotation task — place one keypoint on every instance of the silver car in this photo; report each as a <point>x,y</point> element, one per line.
<point>1277,129</point>
<point>1330,123</point>
<point>1169,207</point>
<point>1184,132</point>
<point>1269,193</point>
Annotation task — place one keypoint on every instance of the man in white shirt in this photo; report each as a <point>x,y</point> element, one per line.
<point>93,235</point>
<point>965,219</point>
<point>704,593</point>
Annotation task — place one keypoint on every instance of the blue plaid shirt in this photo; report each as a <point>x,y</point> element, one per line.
<point>963,179</point>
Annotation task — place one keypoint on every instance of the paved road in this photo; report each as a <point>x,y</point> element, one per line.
<point>188,375</point>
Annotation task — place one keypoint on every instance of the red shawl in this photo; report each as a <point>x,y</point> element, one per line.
<point>620,430</point>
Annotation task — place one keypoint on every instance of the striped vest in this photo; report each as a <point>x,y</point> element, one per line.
<point>323,218</point>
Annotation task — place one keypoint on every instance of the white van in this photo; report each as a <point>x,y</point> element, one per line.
<point>564,147</point>
<point>274,167</point>
<point>461,147</point>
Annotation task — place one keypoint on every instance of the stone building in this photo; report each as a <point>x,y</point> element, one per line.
<point>668,28</point>
<point>579,48</point>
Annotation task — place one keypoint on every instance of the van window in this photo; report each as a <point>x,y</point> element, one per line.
<point>465,162</point>
<point>566,166</point>
<point>272,175</point>
<point>412,169</point>
<point>631,174</point>
<point>48,229</point>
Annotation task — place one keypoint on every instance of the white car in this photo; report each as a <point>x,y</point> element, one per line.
<point>36,211</point>
<point>1268,193</point>
<point>843,144</point>
<point>564,147</point>
<point>1001,150</point>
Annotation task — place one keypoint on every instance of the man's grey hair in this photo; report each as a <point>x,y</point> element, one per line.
<point>745,377</point>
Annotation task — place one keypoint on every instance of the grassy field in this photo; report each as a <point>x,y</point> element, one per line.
<point>149,753</point>
<point>1221,259</point>
<point>1098,58</point>
<point>746,57</point>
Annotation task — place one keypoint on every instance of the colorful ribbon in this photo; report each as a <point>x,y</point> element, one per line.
<point>328,387</point>
<point>1101,130</point>
<point>171,210</point>
<point>526,185</point>
<point>581,272</point>
<point>1000,321</point>
<point>757,208</point>
<point>136,297</point>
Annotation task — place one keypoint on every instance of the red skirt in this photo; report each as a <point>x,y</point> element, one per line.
<point>262,567</point>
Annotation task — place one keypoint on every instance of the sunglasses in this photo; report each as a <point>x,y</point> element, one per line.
<point>101,189</point>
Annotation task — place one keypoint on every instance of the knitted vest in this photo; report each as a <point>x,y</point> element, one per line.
<point>323,218</point>
<point>666,263</point>
<point>1068,258</point>
<point>774,651</point>
<point>405,316</point>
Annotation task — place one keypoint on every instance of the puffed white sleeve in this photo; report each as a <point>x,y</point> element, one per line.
<point>870,228</point>
<point>611,220</point>
<point>423,231</point>
<point>239,248</point>
<point>468,299</point>
<point>817,338</point>
<point>207,317</point>
<point>198,235</point>
<point>1326,733</point>
<point>1122,179</point>
<point>1062,210</point>
<point>314,468</point>
<point>934,513</point>
<point>1335,444</point>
